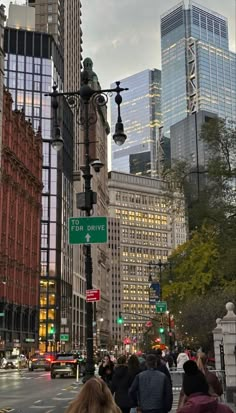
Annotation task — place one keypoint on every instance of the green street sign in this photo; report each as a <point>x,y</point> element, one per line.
<point>29,340</point>
<point>161,306</point>
<point>64,337</point>
<point>88,230</point>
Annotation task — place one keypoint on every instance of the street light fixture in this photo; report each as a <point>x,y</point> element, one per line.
<point>82,100</point>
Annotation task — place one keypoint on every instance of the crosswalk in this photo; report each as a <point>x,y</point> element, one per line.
<point>18,375</point>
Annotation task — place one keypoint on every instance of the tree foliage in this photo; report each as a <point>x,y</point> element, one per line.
<point>204,268</point>
<point>198,317</point>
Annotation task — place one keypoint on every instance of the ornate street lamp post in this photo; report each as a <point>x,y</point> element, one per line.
<point>85,101</point>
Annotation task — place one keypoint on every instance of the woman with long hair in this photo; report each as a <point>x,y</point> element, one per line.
<point>133,365</point>
<point>215,386</point>
<point>106,369</point>
<point>94,397</point>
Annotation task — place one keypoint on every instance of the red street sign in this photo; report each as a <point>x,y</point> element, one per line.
<point>93,295</point>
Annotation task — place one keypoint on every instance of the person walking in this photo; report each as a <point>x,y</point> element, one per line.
<point>121,381</point>
<point>215,387</point>
<point>196,389</point>
<point>94,397</point>
<point>134,369</point>
<point>181,359</point>
<point>106,370</point>
<point>151,390</point>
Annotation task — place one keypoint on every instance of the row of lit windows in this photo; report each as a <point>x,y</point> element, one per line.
<point>141,199</point>
<point>141,217</point>
<point>134,298</point>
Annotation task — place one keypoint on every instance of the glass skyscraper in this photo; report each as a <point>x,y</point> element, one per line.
<point>198,69</point>
<point>33,62</point>
<point>141,115</point>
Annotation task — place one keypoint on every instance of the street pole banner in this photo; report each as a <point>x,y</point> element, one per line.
<point>154,293</point>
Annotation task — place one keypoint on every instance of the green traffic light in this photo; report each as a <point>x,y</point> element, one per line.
<point>161,330</point>
<point>120,319</point>
<point>52,330</point>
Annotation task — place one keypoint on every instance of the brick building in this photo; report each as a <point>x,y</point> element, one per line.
<point>20,214</point>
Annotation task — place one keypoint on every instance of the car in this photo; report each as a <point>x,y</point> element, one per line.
<point>41,361</point>
<point>64,365</point>
<point>14,362</point>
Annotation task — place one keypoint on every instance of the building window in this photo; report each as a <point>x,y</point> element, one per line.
<point>49,18</point>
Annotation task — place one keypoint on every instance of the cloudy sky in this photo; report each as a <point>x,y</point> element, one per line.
<point>123,36</point>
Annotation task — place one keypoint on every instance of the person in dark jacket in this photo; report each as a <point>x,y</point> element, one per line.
<point>196,389</point>
<point>120,384</point>
<point>106,370</point>
<point>151,390</point>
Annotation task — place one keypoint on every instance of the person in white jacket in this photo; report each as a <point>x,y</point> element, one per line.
<point>181,359</point>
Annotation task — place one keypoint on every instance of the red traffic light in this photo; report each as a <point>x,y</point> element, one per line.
<point>158,340</point>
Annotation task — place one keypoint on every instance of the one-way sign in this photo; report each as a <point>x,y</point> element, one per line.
<point>88,230</point>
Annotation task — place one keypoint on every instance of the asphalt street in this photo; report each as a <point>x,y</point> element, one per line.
<point>35,392</point>
<point>31,392</point>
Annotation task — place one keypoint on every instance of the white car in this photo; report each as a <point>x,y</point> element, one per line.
<point>14,362</point>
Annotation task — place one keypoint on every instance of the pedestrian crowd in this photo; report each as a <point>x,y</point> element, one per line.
<point>143,385</point>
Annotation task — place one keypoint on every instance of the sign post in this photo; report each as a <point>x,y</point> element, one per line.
<point>88,230</point>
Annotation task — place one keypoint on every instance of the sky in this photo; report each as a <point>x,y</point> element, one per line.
<point>122,37</point>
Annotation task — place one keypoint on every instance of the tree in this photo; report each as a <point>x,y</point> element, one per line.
<point>197,318</point>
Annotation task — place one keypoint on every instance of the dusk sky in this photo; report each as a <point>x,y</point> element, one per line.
<point>122,37</point>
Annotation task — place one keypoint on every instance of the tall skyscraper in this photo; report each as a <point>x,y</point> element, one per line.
<point>146,223</point>
<point>33,62</point>
<point>62,19</point>
<point>141,115</point>
<point>198,69</point>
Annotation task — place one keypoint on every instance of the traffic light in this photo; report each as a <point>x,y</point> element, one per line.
<point>161,329</point>
<point>52,329</point>
<point>120,319</point>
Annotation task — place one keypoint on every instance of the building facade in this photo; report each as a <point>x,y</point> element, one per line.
<point>49,18</point>
<point>62,19</point>
<point>2,20</point>
<point>198,69</point>
<point>186,144</point>
<point>33,62</point>
<point>141,115</point>
<point>143,227</point>
<point>20,214</point>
